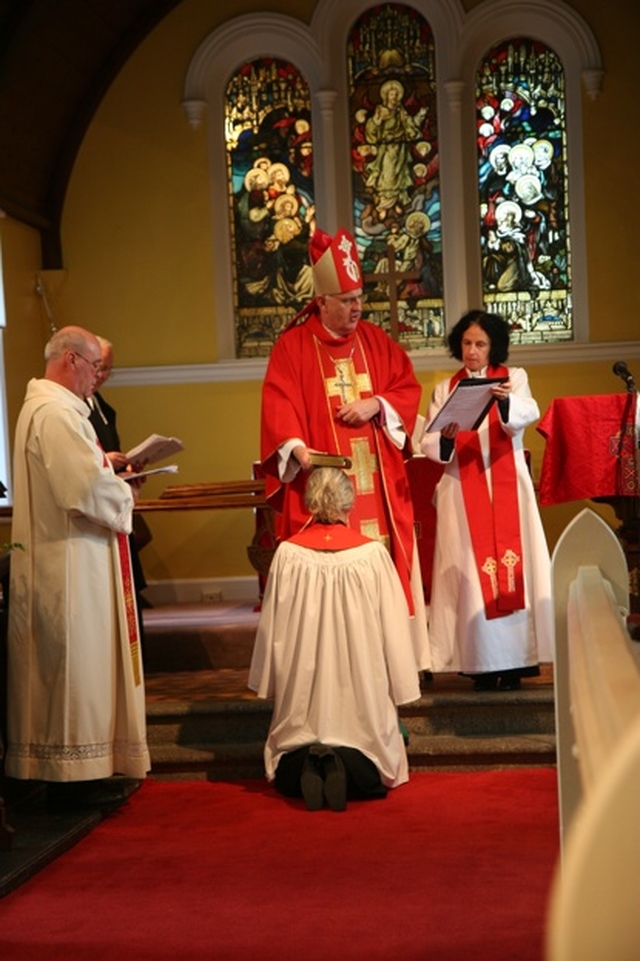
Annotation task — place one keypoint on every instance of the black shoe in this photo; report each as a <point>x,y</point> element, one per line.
<point>335,781</point>
<point>485,682</point>
<point>510,683</point>
<point>311,782</point>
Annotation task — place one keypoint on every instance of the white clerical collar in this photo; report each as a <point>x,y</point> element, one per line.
<point>476,373</point>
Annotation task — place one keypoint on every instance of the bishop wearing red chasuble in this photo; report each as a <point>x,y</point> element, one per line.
<point>338,384</point>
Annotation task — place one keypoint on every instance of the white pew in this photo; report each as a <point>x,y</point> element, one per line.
<point>594,912</point>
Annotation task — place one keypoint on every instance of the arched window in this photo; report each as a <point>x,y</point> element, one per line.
<point>269,146</point>
<point>395,171</point>
<point>442,66</point>
<point>523,190</point>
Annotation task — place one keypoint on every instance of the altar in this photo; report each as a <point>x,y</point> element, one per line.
<point>591,453</point>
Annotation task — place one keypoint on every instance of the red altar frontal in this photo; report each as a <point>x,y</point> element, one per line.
<point>591,448</point>
<point>591,453</point>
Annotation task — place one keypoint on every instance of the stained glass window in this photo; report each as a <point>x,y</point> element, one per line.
<point>522,176</point>
<point>395,172</point>
<point>270,175</point>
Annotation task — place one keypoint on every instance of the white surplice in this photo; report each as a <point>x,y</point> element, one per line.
<point>334,650</point>
<point>76,703</point>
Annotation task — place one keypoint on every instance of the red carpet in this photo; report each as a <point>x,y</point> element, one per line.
<point>448,867</point>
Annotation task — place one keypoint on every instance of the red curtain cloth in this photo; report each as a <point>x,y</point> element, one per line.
<point>590,448</point>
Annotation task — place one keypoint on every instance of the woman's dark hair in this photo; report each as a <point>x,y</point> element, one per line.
<point>495,327</point>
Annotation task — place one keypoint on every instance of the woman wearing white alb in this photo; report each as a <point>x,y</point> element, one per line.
<point>490,614</point>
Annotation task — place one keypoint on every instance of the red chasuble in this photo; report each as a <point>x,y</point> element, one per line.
<point>493,516</point>
<point>309,377</point>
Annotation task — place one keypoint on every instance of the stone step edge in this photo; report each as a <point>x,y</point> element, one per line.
<point>419,747</point>
<point>181,707</point>
<point>174,730</point>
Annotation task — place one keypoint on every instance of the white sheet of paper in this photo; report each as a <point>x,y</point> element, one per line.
<point>154,448</point>
<point>169,469</point>
<point>466,404</point>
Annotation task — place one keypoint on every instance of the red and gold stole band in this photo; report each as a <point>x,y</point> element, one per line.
<point>493,517</point>
<point>129,605</point>
<point>126,580</point>
<point>346,378</point>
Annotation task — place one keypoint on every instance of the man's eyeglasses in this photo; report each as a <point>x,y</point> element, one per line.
<point>96,364</point>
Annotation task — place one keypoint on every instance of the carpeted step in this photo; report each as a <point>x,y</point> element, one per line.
<point>185,723</point>
<point>461,712</point>
<point>203,722</point>
<point>225,739</point>
<point>219,762</point>
<point>210,762</point>
<point>444,752</point>
<point>457,714</point>
<point>193,637</point>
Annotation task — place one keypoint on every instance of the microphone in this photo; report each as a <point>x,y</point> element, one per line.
<point>620,369</point>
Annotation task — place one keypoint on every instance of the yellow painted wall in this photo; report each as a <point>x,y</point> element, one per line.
<point>138,247</point>
<point>27,328</point>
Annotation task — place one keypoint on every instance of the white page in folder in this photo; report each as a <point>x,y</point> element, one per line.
<point>467,405</point>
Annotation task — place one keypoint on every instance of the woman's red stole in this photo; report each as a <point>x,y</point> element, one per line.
<point>493,517</point>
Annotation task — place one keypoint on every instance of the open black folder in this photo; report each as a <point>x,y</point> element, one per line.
<point>467,405</point>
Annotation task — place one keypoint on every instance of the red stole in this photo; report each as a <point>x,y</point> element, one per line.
<point>128,593</point>
<point>126,575</point>
<point>346,378</point>
<point>493,518</point>
<point>329,537</point>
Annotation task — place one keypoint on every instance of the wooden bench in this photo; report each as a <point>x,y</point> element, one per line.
<point>594,910</point>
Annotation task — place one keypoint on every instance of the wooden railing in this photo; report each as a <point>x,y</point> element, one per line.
<point>207,496</point>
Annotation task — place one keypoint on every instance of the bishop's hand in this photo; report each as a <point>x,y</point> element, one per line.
<point>358,412</point>
<point>301,454</point>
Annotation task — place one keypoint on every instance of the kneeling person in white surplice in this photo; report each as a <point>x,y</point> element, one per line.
<point>334,650</point>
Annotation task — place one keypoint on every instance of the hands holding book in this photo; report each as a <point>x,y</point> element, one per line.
<point>308,458</point>
<point>468,404</point>
<point>131,466</point>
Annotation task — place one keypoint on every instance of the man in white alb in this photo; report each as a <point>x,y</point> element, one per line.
<point>76,705</point>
